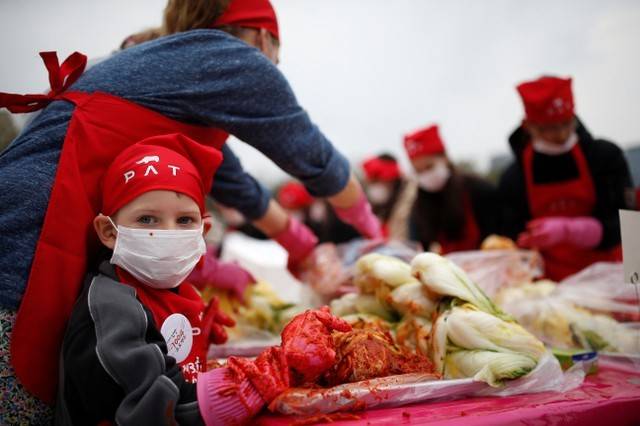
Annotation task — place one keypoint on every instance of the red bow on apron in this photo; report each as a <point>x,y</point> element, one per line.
<point>100,128</point>
<point>470,239</point>
<point>572,198</point>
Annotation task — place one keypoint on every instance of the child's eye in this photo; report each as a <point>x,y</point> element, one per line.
<point>186,220</point>
<point>147,220</point>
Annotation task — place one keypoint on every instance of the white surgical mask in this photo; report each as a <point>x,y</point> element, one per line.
<point>435,179</point>
<point>378,193</point>
<point>544,147</point>
<point>159,258</point>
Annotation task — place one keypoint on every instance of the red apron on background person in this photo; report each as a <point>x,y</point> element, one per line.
<point>178,315</point>
<point>470,239</point>
<point>572,198</point>
<point>101,127</point>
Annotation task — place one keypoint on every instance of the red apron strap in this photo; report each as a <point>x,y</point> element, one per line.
<point>60,78</point>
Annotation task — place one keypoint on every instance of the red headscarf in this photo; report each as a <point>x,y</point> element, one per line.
<point>547,100</point>
<point>251,14</point>
<point>424,141</point>
<point>377,168</point>
<point>169,162</point>
<point>293,195</point>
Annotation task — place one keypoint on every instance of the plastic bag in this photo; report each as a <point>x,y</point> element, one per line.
<point>350,252</point>
<point>493,270</point>
<point>580,315</point>
<point>395,391</point>
<point>601,288</point>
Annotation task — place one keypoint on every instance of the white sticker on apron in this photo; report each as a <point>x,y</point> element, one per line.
<point>178,334</point>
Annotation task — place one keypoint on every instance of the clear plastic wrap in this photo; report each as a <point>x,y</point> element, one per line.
<point>395,391</point>
<point>593,310</point>
<point>601,288</point>
<point>493,270</point>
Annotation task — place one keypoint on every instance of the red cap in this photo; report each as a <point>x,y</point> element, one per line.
<point>169,162</point>
<point>293,195</point>
<point>251,14</point>
<point>377,168</point>
<point>547,100</point>
<point>425,141</point>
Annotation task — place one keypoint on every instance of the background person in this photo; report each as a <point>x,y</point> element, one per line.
<point>390,195</point>
<point>453,211</point>
<point>563,191</point>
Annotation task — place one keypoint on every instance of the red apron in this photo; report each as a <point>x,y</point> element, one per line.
<point>178,316</point>
<point>571,198</point>
<point>470,239</point>
<point>100,128</point>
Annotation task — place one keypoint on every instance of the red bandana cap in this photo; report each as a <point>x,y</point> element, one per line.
<point>547,100</point>
<point>377,168</point>
<point>171,162</point>
<point>251,14</point>
<point>293,195</point>
<point>425,141</point>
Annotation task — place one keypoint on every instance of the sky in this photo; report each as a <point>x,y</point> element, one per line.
<point>369,71</point>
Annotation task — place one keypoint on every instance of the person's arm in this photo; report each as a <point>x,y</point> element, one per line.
<point>117,367</point>
<point>614,190</point>
<point>234,187</point>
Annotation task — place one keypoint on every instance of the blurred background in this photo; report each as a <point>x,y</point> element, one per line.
<point>369,71</point>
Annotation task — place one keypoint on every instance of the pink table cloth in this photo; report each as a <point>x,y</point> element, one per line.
<point>610,397</point>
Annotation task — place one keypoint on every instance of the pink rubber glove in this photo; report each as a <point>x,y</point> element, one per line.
<point>225,399</point>
<point>362,218</point>
<point>308,344</point>
<point>581,232</point>
<point>298,240</point>
<point>223,275</point>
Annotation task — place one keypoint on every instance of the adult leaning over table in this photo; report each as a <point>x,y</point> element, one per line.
<point>202,82</point>
<point>563,192</point>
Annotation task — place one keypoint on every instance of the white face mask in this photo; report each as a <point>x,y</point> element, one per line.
<point>544,147</point>
<point>435,179</point>
<point>159,258</point>
<point>378,193</point>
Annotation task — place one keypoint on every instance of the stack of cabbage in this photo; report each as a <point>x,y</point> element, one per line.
<point>470,336</point>
<point>262,309</point>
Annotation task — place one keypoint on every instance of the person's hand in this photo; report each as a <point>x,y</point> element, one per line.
<point>543,233</point>
<point>361,217</point>
<point>582,232</point>
<point>299,241</point>
<point>214,321</point>
<point>222,275</point>
<point>323,270</point>
<point>308,345</point>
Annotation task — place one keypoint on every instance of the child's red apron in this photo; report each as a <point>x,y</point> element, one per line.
<point>101,127</point>
<point>178,315</point>
<point>570,198</point>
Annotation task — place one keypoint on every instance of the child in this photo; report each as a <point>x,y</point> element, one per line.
<point>137,338</point>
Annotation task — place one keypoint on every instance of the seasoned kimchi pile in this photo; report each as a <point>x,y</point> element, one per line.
<point>367,353</point>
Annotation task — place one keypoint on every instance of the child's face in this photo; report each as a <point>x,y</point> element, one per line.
<point>152,210</point>
<point>160,210</point>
